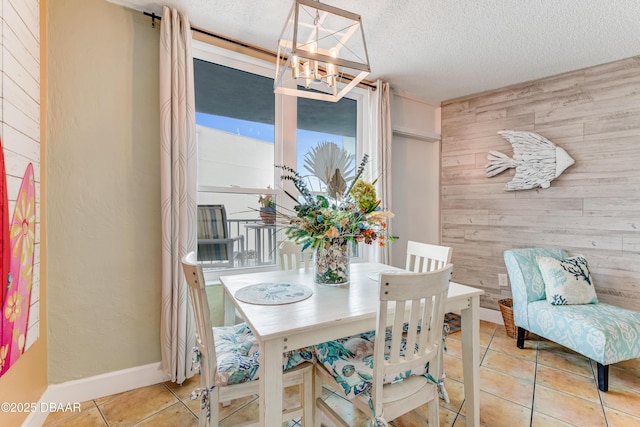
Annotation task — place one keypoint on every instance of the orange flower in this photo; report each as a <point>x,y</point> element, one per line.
<point>14,307</point>
<point>332,233</point>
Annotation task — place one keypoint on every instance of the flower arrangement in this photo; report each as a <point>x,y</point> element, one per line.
<point>266,201</point>
<point>350,209</point>
<point>268,209</point>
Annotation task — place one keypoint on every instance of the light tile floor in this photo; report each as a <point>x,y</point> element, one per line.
<point>542,385</point>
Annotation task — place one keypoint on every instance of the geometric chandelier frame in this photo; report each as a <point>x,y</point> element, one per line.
<point>322,50</point>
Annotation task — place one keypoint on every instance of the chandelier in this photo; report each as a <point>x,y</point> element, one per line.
<point>322,53</point>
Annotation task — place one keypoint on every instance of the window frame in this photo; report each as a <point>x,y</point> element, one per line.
<point>285,138</point>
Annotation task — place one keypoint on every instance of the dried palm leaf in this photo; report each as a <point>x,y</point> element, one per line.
<point>323,160</point>
<point>336,185</point>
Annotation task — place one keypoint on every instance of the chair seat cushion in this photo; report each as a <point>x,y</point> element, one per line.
<point>238,355</point>
<point>237,352</point>
<point>350,361</point>
<point>602,332</point>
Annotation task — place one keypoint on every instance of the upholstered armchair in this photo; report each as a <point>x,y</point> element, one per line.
<point>604,333</point>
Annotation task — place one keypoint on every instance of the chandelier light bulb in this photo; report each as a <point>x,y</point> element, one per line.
<point>295,66</point>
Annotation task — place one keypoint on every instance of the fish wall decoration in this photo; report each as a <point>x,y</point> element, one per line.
<point>537,160</point>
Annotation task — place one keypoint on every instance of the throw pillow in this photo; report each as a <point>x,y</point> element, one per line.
<point>567,281</point>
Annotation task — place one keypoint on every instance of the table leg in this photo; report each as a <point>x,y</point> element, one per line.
<point>271,384</point>
<point>271,247</point>
<point>229,309</point>
<point>259,246</point>
<point>470,323</point>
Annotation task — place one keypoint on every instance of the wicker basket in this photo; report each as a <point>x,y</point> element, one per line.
<point>506,308</point>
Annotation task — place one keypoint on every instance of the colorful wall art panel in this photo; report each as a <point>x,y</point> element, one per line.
<point>18,282</point>
<point>19,179</point>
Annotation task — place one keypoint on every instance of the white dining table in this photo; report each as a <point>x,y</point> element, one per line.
<point>333,312</point>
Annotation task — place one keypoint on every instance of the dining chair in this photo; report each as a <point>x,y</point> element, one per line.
<point>292,256</point>
<point>422,257</point>
<point>214,243</point>
<point>229,359</point>
<point>377,370</point>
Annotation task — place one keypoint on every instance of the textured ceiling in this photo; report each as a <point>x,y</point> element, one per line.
<point>443,49</point>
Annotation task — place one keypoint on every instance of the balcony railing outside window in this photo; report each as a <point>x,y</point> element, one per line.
<point>259,240</point>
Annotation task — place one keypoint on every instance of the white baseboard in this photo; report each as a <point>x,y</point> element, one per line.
<point>489,315</point>
<point>95,387</point>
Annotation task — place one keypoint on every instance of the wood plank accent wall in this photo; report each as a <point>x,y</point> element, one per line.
<point>593,208</point>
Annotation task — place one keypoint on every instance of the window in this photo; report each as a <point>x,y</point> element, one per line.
<point>235,116</point>
<point>243,129</point>
<point>325,121</point>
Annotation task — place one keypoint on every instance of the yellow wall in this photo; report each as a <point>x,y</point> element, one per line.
<point>103,172</point>
<point>27,379</point>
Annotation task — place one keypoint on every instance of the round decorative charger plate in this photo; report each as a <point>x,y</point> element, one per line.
<point>375,275</point>
<point>273,293</point>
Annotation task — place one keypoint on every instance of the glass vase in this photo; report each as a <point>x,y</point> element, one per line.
<point>331,263</point>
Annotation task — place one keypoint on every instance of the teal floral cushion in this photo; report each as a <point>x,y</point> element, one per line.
<point>238,355</point>
<point>350,361</point>
<point>567,281</point>
<point>296,357</point>
<point>237,352</point>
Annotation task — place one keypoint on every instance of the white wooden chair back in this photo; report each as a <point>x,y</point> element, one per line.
<point>292,256</point>
<point>204,331</point>
<point>423,257</point>
<point>419,300</point>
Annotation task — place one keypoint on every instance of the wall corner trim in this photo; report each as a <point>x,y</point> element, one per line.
<point>418,134</point>
<point>416,98</point>
<point>97,386</point>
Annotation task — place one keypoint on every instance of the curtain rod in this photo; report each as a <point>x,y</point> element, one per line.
<point>258,50</point>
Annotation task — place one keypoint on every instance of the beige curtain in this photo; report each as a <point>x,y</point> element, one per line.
<point>379,148</point>
<point>178,191</point>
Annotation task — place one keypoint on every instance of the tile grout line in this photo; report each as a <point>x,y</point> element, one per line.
<point>197,416</point>
<point>493,334</point>
<point>455,418</point>
<point>535,378</point>
<point>255,396</point>
<point>459,413</point>
<point>104,418</point>
<point>567,393</point>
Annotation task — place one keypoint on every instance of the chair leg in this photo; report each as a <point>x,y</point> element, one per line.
<point>434,411</point>
<point>603,377</point>
<point>214,413</point>
<point>520,341</point>
<point>307,397</point>
<point>317,395</point>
